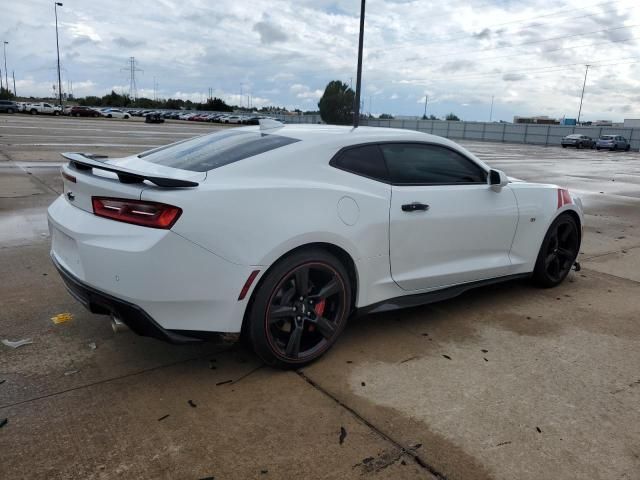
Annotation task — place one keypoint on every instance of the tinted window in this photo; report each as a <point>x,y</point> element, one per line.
<point>365,160</point>
<point>207,152</point>
<point>429,164</point>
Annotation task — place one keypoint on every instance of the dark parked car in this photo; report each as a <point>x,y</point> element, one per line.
<point>578,141</point>
<point>613,142</point>
<point>153,117</point>
<point>8,106</point>
<point>80,111</point>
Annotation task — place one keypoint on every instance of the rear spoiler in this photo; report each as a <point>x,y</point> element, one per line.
<point>88,161</point>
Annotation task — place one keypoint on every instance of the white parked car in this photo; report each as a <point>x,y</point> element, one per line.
<point>43,108</point>
<point>284,232</point>
<point>114,113</point>
<point>233,119</point>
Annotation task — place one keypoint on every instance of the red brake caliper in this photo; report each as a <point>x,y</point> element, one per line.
<point>319,310</point>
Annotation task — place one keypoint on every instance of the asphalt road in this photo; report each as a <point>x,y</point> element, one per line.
<point>503,382</point>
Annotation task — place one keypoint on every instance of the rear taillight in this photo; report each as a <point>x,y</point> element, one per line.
<point>146,214</point>
<point>68,177</point>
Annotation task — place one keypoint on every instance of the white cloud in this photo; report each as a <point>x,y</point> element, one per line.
<point>285,52</point>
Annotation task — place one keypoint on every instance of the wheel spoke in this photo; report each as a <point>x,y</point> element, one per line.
<point>565,234</point>
<point>329,289</point>
<point>325,327</point>
<point>565,253</point>
<point>278,313</point>
<point>287,296</point>
<point>293,346</point>
<point>302,281</point>
<point>548,259</point>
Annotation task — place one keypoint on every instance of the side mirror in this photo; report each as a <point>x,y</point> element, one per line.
<point>497,180</point>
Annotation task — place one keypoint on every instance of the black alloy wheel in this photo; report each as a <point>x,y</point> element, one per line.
<point>300,309</point>
<point>558,252</point>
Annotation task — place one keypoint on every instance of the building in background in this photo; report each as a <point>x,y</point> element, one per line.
<point>539,120</point>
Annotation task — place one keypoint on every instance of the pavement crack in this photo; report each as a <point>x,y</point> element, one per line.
<point>107,380</point>
<point>403,450</point>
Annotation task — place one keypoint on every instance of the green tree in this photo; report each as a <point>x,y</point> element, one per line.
<point>452,117</point>
<point>336,104</point>
<point>386,116</point>
<point>6,94</point>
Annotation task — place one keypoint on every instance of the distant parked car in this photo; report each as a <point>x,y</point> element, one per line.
<point>153,117</point>
<point>613,142</point>
<point>44,108</point>
<point>233,119</point>
<point>114,113</point>
<point>578,141</point>
<point>80,111</point>
<point>8,106</point>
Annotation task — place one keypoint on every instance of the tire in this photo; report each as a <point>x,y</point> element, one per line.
<point>77,115</point>
<point>598,148</point>
<point>109,116</point>
<point>290,324</point>
<point>56,113</point>
<point>10,110</point>
<point>578,146</point>
<point>126,117</point>
<point>564,146</point>
<point>628,147</point>
<point>558,252</point>
<point>33,111</point>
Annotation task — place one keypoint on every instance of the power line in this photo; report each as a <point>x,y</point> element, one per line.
<point>133,90</point>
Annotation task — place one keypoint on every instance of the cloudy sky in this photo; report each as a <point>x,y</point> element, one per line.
<point>528,54</point>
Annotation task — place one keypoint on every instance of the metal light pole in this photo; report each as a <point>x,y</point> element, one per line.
<point>491,111</point>
<point>356,113</point>
<point>582,95</point>
<point>15,92</point>
<point>55,9</point>
<point>6,78</point>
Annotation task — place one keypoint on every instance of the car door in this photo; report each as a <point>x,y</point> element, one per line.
<point>446,225</point>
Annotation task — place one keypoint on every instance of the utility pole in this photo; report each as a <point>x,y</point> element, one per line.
<point>370,96</point>
<point>133,89</point>
<point>1,84</point>
<point>6,79</point>
<point>14,83</point>
<point>55,9</point>
<point>356,113</point>
<point>582,95</point>
<point>426,99</point>
<point>491,110</point>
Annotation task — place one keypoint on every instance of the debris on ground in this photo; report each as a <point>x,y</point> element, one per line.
<point>363,384</point>
<point>163,417</point>
<point>70,372</point>
<point>192,404</point>
<point>264,472</point>
<point>224,383</point>
<point>17,343</point>
<point>447,357</point>
<point>485,359</point>
<point>343,435</point>
<point>538,429</point>
<point>503,443</point>
<point>92,346</point>
<point>3,422</point>
<point>2,381</point>
<point>62,318</point>
<point>484,350</point>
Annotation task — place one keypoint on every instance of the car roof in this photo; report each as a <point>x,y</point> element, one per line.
<point>338,136</point>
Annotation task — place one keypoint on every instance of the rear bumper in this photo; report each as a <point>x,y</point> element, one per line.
<point>132,315</point>
<point>182,287</point>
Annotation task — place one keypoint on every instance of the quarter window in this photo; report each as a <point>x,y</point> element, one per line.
<point>365,160</point>
<point>415,164</point>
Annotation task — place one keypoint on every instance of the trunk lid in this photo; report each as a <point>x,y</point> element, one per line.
<point>87,176</point>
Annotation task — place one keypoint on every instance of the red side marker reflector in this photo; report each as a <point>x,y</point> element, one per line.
<point>68,177</point>
<point>247,284</point>
<point>563,197</point>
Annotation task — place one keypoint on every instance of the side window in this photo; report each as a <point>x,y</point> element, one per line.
<point>365,160</point>
<point>430,164</point>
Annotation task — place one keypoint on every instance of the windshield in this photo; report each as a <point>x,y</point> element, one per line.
<point>207,152</point>
<point>606,137</point>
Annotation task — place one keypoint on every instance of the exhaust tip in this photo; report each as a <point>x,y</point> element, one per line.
<point>118,325</point>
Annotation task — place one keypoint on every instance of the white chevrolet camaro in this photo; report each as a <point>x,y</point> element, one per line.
<point>283,232</point>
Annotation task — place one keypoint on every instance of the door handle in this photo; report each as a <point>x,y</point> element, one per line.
<point>415,207</point>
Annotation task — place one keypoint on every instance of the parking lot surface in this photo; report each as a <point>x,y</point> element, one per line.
<point>503,382</point>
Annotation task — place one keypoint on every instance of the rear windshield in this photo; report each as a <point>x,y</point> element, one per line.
<point>205,153</point>
<point>607,137</point>
<point>574,136</point>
